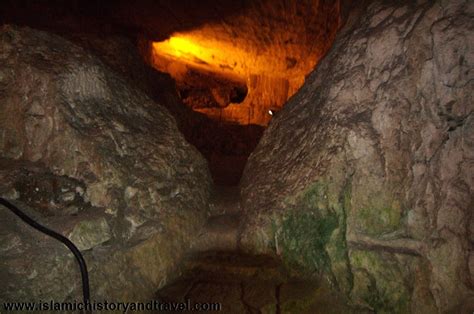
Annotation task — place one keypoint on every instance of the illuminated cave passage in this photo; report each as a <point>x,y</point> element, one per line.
<point>262,52</point>
<point>272,156</point>
<point>240,70</point>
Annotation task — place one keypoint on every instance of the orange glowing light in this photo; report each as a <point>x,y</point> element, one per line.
<point>210,55</point>
<point>267,77</point>
<point>180,47</point>
<point>202,49</point>
<point>265,68</point>
<point>269,51</point>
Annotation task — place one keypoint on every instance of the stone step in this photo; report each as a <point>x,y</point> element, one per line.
<point>227,266</point>
<point>244,283</point>
<point>220,233</point>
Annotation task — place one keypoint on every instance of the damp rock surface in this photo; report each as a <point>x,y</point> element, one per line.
<point>366,175</point>
<point>89,155</point>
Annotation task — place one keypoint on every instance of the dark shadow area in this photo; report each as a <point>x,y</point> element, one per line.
<point>154,19</point>
<point>225,146</point>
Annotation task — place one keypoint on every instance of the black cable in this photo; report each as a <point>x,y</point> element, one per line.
<point>59,237</point>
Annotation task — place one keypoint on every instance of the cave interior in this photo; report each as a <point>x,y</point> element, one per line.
<point>238,80</point>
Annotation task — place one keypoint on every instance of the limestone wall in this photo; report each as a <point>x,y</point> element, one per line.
<point>366,175</point>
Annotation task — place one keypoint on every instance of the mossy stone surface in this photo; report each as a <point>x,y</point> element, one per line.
<point>311,236</point>
<point>381,214</point>
<point>379,282</point>
<point>303,232</point>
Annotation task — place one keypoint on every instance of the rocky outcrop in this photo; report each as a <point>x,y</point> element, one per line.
<point>96,159</point>
<point>122,55</point>
<point>366,175</point>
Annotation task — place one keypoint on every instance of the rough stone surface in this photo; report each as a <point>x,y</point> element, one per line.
<point>98,161</point>
<point>90,233</point>
<point>250,284</point>
<point>366,175</point>
<point>122,54</point>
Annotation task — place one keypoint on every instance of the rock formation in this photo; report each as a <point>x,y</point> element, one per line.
<point>100,162</point>
<point>366,175</point>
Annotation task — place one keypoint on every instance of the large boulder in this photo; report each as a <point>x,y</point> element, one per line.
<point>96,159</point>
<point>366,176</point>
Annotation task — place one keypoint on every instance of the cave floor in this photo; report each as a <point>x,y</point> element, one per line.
<point>244,283</point>
<point>217,271</point>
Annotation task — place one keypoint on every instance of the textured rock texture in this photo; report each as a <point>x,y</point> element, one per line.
<point>96,160</point>
<point>366,175</point>
<point>122,54</point>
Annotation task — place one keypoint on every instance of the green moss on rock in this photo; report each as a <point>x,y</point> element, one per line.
<point>381,214</point>
<point>311,235</point>
<point>337,246</point>
<point>303,236</point>
<point>379,282</point>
